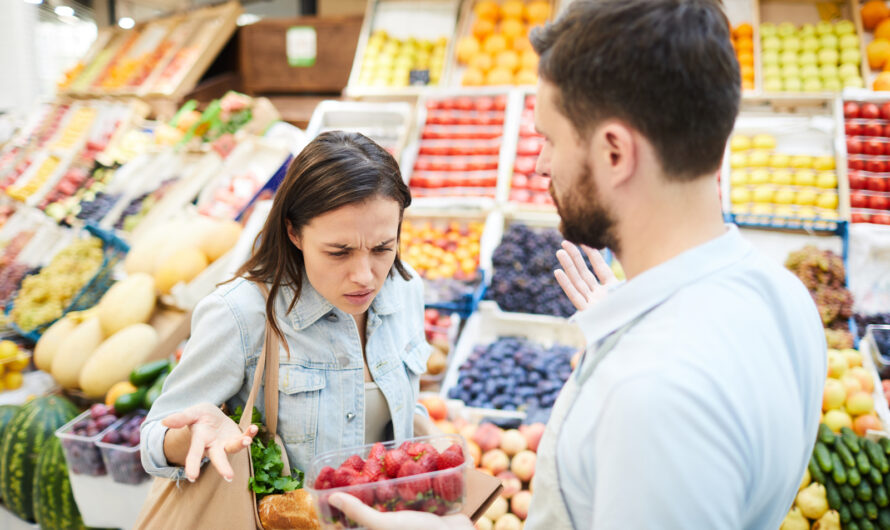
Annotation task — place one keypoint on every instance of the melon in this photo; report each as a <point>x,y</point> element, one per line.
<point>181,266</point>
<point>130,301</point>
<point>115,358</point>
<point>54,505</point>
<point>49,343</point>
<point>75,351</point>
<point>220,238</point>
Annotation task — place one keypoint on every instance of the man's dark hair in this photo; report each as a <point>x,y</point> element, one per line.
<point>665,67</point>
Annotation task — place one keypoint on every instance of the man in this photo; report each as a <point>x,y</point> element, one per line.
<point>697,402</point>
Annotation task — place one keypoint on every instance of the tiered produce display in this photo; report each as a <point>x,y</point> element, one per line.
<point>527,185</point>
<point>867,132</point>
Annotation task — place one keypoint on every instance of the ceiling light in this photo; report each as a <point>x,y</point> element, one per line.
<point>34,2</point>
<point>126,23</point>
<point>64,11</point>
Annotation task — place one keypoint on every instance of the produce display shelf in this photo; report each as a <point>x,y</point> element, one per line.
<point>879,367</point>
<point>388,124</point>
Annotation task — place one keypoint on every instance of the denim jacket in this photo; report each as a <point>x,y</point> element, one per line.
<point>321,384</point>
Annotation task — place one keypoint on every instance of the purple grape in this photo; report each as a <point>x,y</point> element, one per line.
<point>92,431</point>
<point>98,410</point>
<point>105,421</point>
<point>112,437</point>
<point>133,439</point>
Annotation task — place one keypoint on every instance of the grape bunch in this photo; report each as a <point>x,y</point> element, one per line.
<point>513,373</point>
<point>44,296</point>
<point>82,455</point>
<point>97,208</point>
<point>523,278</point>
<point>823,274</point>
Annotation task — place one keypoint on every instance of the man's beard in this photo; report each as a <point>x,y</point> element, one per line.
<point>584,219</point>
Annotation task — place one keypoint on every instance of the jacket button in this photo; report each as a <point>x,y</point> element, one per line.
<point>332,317</point>
<point>350,416</point>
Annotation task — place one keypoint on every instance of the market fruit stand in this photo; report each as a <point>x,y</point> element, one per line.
<point>156,200</point>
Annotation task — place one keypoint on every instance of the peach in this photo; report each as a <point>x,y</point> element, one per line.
<point>484,523</point>
<point>488,436</point>
<point>523,465</point>
<point>446,427</point>
<point>467,431</point>
<point>519,504</point>
<point>497,509</point>
<point>496,461</point>
<point>436,408</point>
<point>508,522</point>
<point>532,434</point>
<point>475,452</point>
<point>865,378</point>
<point>865,423</point>
<point>513,441</point>
<point>511,483</point>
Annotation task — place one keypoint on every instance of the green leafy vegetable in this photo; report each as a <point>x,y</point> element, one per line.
<point>267,464</point>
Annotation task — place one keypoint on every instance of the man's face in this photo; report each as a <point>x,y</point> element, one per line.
<point>566,158</point>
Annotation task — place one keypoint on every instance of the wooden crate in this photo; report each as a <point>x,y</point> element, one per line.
<point>263,58</point>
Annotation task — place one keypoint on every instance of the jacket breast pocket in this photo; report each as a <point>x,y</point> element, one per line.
<point>299,399</point>
<point>414,357</point>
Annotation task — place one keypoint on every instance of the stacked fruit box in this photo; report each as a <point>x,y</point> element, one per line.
<point>528,189</point>
<point>867,130</point>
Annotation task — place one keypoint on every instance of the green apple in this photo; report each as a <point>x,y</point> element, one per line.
<point>851,56</point>
<point>767,29</point>
<point>804,177</point>
<point>779,161</point>
<point>853,82</point>
<point>809,44</point>
<point>827,180</point>
<point>829,40</point>
<point>828,56</point>
<point>792,84</point>
<point>848,70</point>
<point>806,58</point>
<point>785,211</point>
<point>812,84</point>
<point>810,70</point>
<point>827,200</point>
<point>738,177</point>
<point>807,30</point>
<point>791,44</point>
<point>763,194</point>
<point>849,41</point>
<point>832,84</point>
<point>770,57</point>
<point>740,196</point>
<point>784,196</point>
<point>828,70</point>
<point>762,210</point>
<point>772,84</point>
<point>758,158</point>
<point>790,70</point>
<point>771,43</point>
<point>844,27</point>
<point>789,57</point>
<point>782,177</point>
<point>772,70</point>
<point>824,28</point>
<point>758,176</point>
<point>786,29</point>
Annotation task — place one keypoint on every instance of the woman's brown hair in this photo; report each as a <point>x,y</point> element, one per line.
<point>335,169</point>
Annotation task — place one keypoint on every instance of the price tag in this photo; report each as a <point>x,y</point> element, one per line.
<point>301,46</point>
<point>419,77</point>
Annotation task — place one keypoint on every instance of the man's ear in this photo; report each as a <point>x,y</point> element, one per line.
<point>294,237</point>
<point>614,149</point>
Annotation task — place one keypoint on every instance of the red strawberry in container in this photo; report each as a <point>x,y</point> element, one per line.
<point>393,461</point>
<point>449,487</point>
<point>411,490</point>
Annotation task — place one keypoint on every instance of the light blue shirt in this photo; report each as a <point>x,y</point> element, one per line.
<point>321,383</point>
<point>705,413</point>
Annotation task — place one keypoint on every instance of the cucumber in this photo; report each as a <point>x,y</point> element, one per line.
<point>884,519</point>
<point>857,510</point>
<point>852,525</point>
<point>146,374</point>
<point>823,457</point>
<point>876,456</point>
<point>825,434</point>
<point>875,477</point>
<point>834,496</point>
<point>865,524</point>
<point>862,463</point>
<point>816,473</point>
<point>848,493</point>
<point>837,472</point>
<point>871,511</point>
<point>130,402</point>
<point>885,445</point>
<point>155,390</point>
<point>850,439</point>
<point>853,477</point>
<point>864,492</point>
<point>841,449</point>
<point>881,498</point>
<point>844,512</point>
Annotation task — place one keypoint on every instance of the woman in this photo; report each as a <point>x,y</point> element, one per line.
<point>348,309</point>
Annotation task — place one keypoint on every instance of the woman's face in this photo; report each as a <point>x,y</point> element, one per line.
<point>348,252</point>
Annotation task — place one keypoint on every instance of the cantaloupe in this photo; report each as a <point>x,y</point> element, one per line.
<point>75,351</point>
<point>181,266</point>
<point>130,301</point>
<point>115,358</point>
<point>50,341</point>
<point>220,238</point>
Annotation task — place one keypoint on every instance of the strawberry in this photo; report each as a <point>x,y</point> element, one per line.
<point>355,462</point>
<point>451,458</point>
<point>345,476</point>
<point>400,506</point>
<point>366,494</point>
<point>325,476</point>
<point>431,506</point>
<point>429,462</point>
<point>373,469</point>
<point>412,489</point>
<point>448,487</point>
<point>456,448</point>
<point>393,461</point>
<point>417,450</point>
<point>385,492</point>
<point>377,452</point>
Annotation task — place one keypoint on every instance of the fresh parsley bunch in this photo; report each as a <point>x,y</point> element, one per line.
<point>267,464</point>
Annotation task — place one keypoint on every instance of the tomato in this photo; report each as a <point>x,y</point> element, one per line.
<point>853,128</point>
<point>858,199</point>
<point>539,183</point>
<point>528,146</point>
<point>881,219</point>
<point>430,132</point>
<point>856,163</point>
<point>432,104</point>
<point>418,180</point>
<point>497,118</point>
<point>423,163</point>
<point>460,163</point>
<point>519,182</point>
<point>525,164</point>
<point>438,163</point>
<point>520,195</point>
<point>464,103</point>
<point>484,104</point>
<point>860,217</point>
<point>540,198</point>
<point>500,102</point>
<point>877,183</point>
<point>448,118</point>
<point>857,180</point>
<point>447,104</point>
<point>530,101</point>
<point>527,129</point>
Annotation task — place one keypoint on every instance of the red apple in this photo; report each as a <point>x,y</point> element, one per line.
<point>853,128</point>
<point>873,147</point>
<point>854,146</point>
<point>858,199</point>
<point>878,202</point>
<point>875,165</point>
<point>873,128</point>
<point>881,219</point>
<point>869,111</point>
<point>877,183</point>
<point>857,181</point>
<point>857,217</point>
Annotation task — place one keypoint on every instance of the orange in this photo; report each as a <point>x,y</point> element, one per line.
<point>467,47</point>
<point>508,60</point>
<point>529,60</point>
<point>526,77</point>
<point>481,61</point>
<point>882,82</point>
<point>883,30</point>
<point>873,13</point>
<point>537,12</point>
<point>747,72</point>
<point>472,77</point>
<point>747,84</point>
<point>482,28</point>
<point>512,9</point>
<point>494,44</point>
<point>512,28</point>
<point>877,51</point>
<point>746,58</point>
<point>487,10</point>
<point>499,76</point>
<point>743,31</point>
<point>744,45</point>
<point>521,44</point>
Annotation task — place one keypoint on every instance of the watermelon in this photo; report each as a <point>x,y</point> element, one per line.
<point>6,414</point>
<point>25,435</point>
<point>54,506</point>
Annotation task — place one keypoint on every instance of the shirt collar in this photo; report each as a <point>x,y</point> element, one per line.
<point>654,286</point>
<point>311,305</point>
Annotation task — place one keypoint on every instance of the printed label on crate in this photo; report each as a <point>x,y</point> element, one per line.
<point>301,46</point>
<point>419,77</point>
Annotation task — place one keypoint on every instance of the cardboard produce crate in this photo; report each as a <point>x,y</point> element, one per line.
<point>297,55</point>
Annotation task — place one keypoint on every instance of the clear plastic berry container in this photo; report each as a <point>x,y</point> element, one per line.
<point>81,453</point>
<point>123,458</point>
<point>440,491</point>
